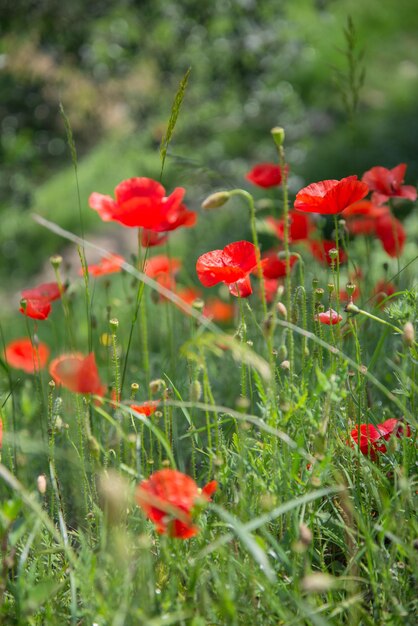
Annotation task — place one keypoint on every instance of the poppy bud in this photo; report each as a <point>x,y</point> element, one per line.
<point>134,390</point>
<point>333,254</point>
<point>114,324</point>
<point>330,287</point>
<point>195,391</point>
<point>315,283</point>
<point>56,261</point>
<point>408,334</point>
<point>216,200</point>
<point>278,135</point>
<point>198,304</point>
<point>281,310</point>
<point>305,534</point>
<point>41,483</point>
<point>350,288</point>
<point>282,352</point>
<point>285,365</point>
<point>155,385</point>
<point>319,293</point>
<point>351,308</point>
<point>52,384</point>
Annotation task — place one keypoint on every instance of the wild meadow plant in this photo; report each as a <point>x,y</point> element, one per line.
<point>231,442</point>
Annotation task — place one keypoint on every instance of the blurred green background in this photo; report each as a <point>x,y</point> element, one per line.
<point>116,66</point>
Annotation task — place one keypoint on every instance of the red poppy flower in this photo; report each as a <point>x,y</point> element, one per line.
<point>370,437</point>
<point>300,226</point>
<point>232,265</point>
<point>38,300</point>
<point>146,408</point>
<point>163,269</point>
<point>392,235</point>
<point>151,238</point>
<point>387,184</point>
<point>105,266</point>
<point>320,250</point>
<point>361,217</point>
<point>77,373</point>
<point>329,317</point>
<point>265,175</point>
<point>168,497</point>
<point>329,197</point>
<point>218,310</point>
<point>273,267</point>
<point>271,286</point>
<point>383,290</point>
<point>140,202</point>
<point>24,355</point>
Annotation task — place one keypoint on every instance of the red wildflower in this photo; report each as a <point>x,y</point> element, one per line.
<point>371,436</point>
<point>163,269</point>
<point>151,238</point>
<point>392,235</point>
<point>168,497</point>
<point>38,300</point>
<point>300,226</point>
<point>265,175</point>
<point>218,310</point>
<point>320,250</point>
<point>24,355</point>
<point>273,267</point>
<point>189,294</point>
<point>361,217</point>
<point>77,373</point>
<point>383,290</point>
<point>369,440</point>
<point>146,408</point>
<point>329,197</point>
<point>387,184</point>
<point>329,317</point>
<point>105,266</point>
<point>141,202</point>
<point>232,265</point>
<point>271,286</point>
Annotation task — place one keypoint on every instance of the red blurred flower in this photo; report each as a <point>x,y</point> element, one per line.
<point>38,300</point>
<point>372,437</point>
<point>392,235</point>
<point>300,226</point>
<point>77,373</point>
<point>265,175</point>
<point>168,497</point>
<point>218,310</point>
<point>151,238</point>
<point>141,202</point>
<point>271,286</point>
<point>146,408</point>
<point>189,294</point>
<point>369,440</point>
<point>320,250</point>
<point>24,355</point>
<point>387,184</point>
<point>361,217</point>
<point>273,267</point>
<point>163,270</point>
<point>329,197</point>
<point>329,317</point>
<point>232,265</point>
<point>383,290</point>
<point>105,266</point>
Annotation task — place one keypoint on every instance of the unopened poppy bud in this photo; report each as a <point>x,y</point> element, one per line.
<point>198,304</point>
<point>408,334</point>
<point>51,384</point>
<point>305,534</point>
<point>156,385</point>
<point>278,135</point>
<point>285,365</point>
<point>134,390</point>
<point>56,261</point>
<point>216,200</point>
<point>41,483</point>
<point>114,324</point>
<point>94,447</point>
<point>281,310</point>
<point>319,293</point>
<point>350,288</point>
<point>195,391</point>
<point>333,254</point>
<point>282,352</point>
